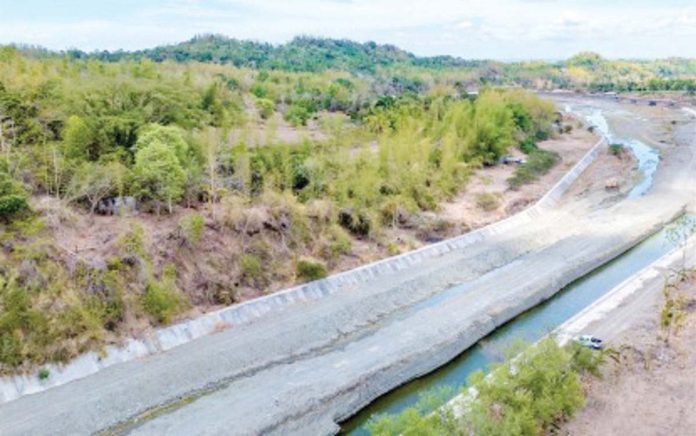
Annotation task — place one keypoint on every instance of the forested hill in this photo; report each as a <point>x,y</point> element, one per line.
<point>303,53</point>
<point>316,55</point>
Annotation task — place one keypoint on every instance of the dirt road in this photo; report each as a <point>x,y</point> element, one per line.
<point>305,368</point>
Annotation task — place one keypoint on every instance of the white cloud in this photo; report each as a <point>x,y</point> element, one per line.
<point>470,28</point>
<point>466,24</point>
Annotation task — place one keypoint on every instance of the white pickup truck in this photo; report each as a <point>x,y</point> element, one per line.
<point>589,341</point>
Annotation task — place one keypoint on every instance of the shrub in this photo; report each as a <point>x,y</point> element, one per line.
<point>586,360</point>
<point>538,163</point>
<point>259,90</point>
<point>487,201</point>
<point>161,302</point>
<point>321,211</point>
<point>13,198</point>
<point>431,229</point>
<point>24,331</point>
<point>162,299</point>
<point>133,243</point>
<point>44,373</point>
<point>191,228</point>
<point>265,107</point>
<point>393,248</point>
<point>393,212</point>
<point>544,387</point>
<point>528,146</point>
<point>616,149</point>
<point>11,205</point>
<point>357,222</point>
<point>297,115</point>
<point>340,243</point>
<point>310,269</point>
<point>252,269</point>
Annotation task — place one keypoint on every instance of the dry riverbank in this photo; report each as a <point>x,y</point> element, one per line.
<point>649,386</point>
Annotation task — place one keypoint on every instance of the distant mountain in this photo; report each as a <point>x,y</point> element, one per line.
<point>301,54</point>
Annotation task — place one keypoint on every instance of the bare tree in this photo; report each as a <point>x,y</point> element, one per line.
<point>212,154</point>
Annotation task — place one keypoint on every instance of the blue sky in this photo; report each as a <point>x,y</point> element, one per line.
<point>500,29</point>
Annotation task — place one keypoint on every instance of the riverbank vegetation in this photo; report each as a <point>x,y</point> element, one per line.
<point>526,395</point>
<point>209,201</point>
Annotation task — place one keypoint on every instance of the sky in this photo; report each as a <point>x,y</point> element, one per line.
<point>490,29</point>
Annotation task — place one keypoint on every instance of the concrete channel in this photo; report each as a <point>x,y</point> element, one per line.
<point>571,301</point>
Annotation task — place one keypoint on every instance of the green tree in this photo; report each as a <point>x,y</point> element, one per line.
<point>13,197</point>
<point>493,127</point>
<point>169,135</point>
<point>190,159</point>
<point>158,174</point>
<point>78,138</point>
<point>212,104</point>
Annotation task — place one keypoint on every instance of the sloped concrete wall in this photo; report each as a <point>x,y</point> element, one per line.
<point>551,198</point>
<point>603,307</point>
<point>166,338</point>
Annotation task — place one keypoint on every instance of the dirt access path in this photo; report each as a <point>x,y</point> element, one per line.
<point>465,209</point>
<point>650,389</point>
<point>302,369</point>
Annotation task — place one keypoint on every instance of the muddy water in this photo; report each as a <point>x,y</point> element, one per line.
<point>539,321</point>
<point>648,158</point>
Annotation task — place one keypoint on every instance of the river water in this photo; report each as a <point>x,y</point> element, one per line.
<point>648,158</point>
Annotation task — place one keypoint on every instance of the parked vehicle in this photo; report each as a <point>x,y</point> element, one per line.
<point>507,160</point>
<point>589,341</point>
